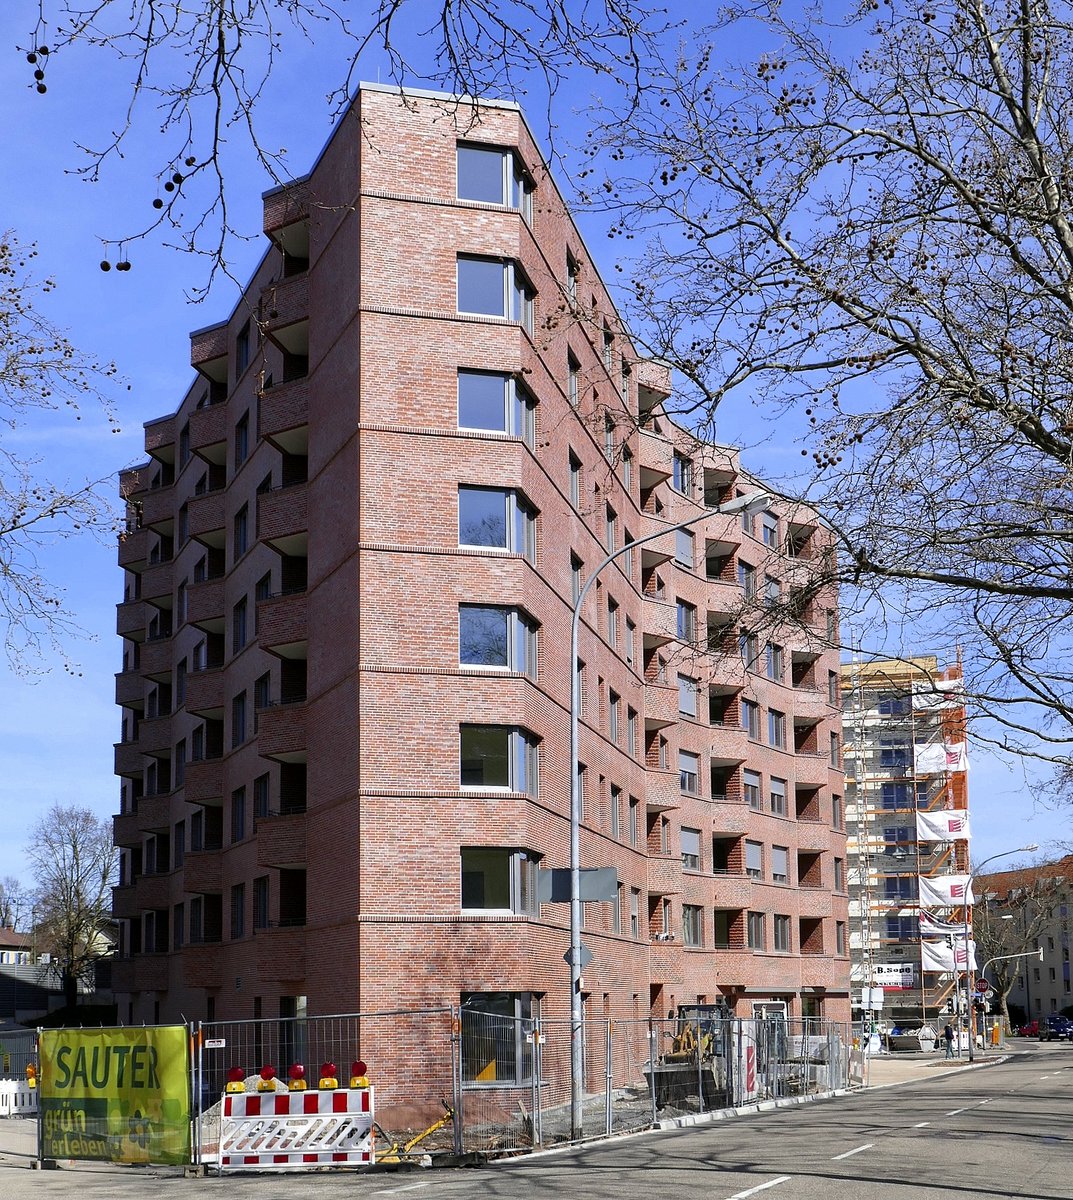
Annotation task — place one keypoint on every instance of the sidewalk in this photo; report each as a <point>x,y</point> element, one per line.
<point>887,1069</point>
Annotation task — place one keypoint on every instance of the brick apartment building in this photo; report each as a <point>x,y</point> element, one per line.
<point>350,570</point>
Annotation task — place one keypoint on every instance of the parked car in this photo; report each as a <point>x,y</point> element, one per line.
<point>1055,1028</point>
<point>1029,1030</point>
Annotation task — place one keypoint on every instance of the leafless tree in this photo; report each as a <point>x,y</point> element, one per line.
<point>70,852</point>
<point>199,70</point>
<point>1012,922</point>
<point>40,371</point>
<point>872,221</point>
<point>13,902</point>
<point>867,218</point>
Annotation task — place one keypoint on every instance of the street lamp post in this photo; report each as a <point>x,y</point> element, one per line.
<point>1037,953</point>
<point>1029,849</point>
<point>751,503</point>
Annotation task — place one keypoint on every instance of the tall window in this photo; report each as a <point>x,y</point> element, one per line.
<point>754,860</point>
<point>747,579</point>
<point>631,641</point>
<point>781,932</point>
<point>612,529</point>
<point>755,931</point>
<point>689,772</point>
<point>687,696</point>
<point>492,636</point>
<point>576,582</point>
<point>261,787</point>
<point>575,480</point>
<point>573,374</point>
<point>614,706</point>
<point>496,401</point>
<point>239,622</point>
<point>780,864</point>
<point>776,729</point>
<point>612,623</point>
<point>750,718</point>
<point>491,175</point>
<point>691,848</point>
<point>498,756</point>
<point>242,439</point>
<point>635,806</point>
<point>687,622</point>
<point>241,531</point>
<point>260,902</point>
<point>750,649</point>
<point>238,814</point>
<point>631,731</point>
<point>775,662</point>
<point>238,910</point>
<point>682,475</point>
<point>838,819</point>
<point>750,783</point>
<point>836,750</point>
<point>496,517</point>
<point>777,790</point>
<point>840,875</point>
<point>840,937</point>
<point>494,287</point>
<point>499,880</point>
<point>238,719</point>
<point>683,549</point>
<point>769,527</point>
<point>692,925</point>
<point>573,270</point>
<point>616,806</point>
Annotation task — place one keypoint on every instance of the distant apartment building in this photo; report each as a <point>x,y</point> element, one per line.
<point>904,730</point>
<point>351,563</point>
<point>1037,901</point>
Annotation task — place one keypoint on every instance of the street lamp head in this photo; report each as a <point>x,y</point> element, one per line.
<point>1031,848</point>
<point>753,503</point>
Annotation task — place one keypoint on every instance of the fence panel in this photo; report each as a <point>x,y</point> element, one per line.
<point>411,1060</point>
<point>18,1050</point>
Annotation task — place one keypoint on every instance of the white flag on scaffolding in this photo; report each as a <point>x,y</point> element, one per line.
<point>938,694</point>
<point>946,825</point>
<point>937,758</point>
<point>932,927</point>
<point>945,891</point>
<point>947,955</point>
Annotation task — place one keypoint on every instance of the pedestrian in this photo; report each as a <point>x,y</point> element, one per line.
<point>948,1038</point>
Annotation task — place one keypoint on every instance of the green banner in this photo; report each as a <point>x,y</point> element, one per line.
<point>117,1095</point>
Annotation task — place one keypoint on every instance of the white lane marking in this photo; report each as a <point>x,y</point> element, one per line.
<point>410,1187</point>
<point>762,1187</point>
<point>921,1124</point>
<point>954,1111</point>
<point>850,1153</point>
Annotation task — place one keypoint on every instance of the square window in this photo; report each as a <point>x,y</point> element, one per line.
<point>493,287</point>
<point>499,880</point>
<point>491,636</point>
<point>496,401</point>
<point>497,756</point>
<point>496,518</point>
<point>493,1028</point>
<point>492,175</point>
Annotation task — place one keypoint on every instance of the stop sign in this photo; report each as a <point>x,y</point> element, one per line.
<point>982,987</point>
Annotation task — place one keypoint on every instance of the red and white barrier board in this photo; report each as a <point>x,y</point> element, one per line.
<point>281,1131</point>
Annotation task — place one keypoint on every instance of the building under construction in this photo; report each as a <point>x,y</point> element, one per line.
<point>904,737</point>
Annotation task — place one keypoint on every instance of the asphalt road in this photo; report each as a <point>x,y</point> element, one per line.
<point>1000,1131</point>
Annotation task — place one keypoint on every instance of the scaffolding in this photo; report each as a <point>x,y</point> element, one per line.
<point>894,709</point>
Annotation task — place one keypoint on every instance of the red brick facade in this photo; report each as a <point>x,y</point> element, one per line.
<point>293,690</point>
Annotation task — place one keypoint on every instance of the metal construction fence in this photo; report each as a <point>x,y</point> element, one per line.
<point>506,1081</point>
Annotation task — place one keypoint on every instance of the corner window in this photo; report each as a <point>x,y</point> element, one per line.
<point>499,880</point>
<point>496,401</point>
<point>494,287</point>
<point>491,636</point>
<point>492,175</point>
<point>498,518</point>
<point>498,756</point>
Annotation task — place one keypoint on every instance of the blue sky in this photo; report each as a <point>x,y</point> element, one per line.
<point>57,730</point>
